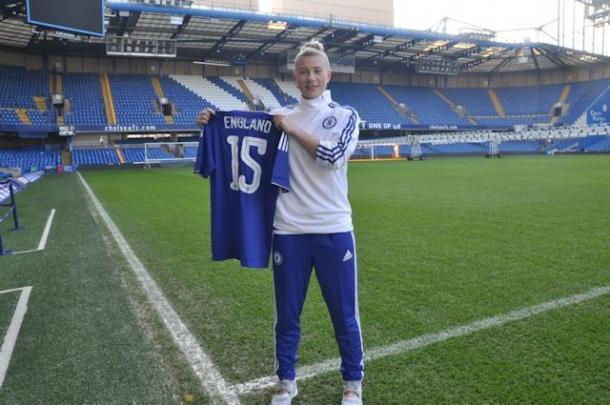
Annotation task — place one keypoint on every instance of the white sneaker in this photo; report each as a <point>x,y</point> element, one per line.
<point>355,389</point>
<point>284,392</point>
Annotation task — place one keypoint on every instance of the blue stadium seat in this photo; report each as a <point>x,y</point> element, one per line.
<point>228,88</point>
<point>135,100</point>
<point>283,98</point>
<point>18,86</point>
<point>429,107</point>
<point>529,100</point>
<point>600,145</point>
<point>582,96</point>
<point>475,100</point>
<point>368,101</point>
<point>86,102</point>
<point>521,147</point>
<point>30,157</point>
<point>459,149</point>
<point>187,103</point>
<point>97,156</point>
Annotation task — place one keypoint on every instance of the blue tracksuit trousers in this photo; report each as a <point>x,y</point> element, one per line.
<point>334,258</point>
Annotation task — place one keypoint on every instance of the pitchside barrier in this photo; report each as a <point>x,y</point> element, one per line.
<point>7,193</point>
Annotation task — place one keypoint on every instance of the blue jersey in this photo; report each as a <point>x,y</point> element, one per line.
<point>246,158</point>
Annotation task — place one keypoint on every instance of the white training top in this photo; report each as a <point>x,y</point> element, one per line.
<point>317,201</point>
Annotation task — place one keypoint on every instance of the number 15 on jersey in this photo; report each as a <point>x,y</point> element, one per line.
<point>249,143</point>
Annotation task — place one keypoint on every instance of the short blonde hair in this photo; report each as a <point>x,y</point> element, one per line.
<point>312,48</point>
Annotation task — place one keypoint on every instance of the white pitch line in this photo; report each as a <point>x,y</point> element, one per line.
<point>43,239</point>
<point>13,330</point>
<point>47,228</point>
<point>404,346</point>
<point>12,290</point>
<point>211,379</point>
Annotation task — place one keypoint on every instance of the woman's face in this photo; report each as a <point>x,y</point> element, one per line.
<point>311,74</point>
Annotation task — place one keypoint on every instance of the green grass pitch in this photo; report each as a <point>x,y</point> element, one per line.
<point>440,243</point>
<point>8,303</point>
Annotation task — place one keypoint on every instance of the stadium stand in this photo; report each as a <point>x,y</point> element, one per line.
<point>562,145</point>
<point>233,90</point>
<point>135,100</point>
<point>134,151</point>
<point>589,142</point>
<point>278,93</point>
<point>215,93</point>
<point>593,139</point>
<point>429,107</point>
<point>602,145</point>
<point>9,116</point>
<point>95,156</point>
<point>133,154</point>
<point>18,89</point>
<point>458,149</point>
<point>440,144</point>
<point>84,93</point>
<point>29,158</point>
<point>538,101</point>
<point>137,103</point>
<point>521,147</point>
<point>290,90</point>
<point>527,101</point>
<point>476,100</point>
<point>582,96</point>
<point>186,102</point>
<point>159,154</point>
<point>25,95</point>
<point>367,100</point>
<point>261,89</point>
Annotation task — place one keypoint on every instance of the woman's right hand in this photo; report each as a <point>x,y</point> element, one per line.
<point>284,123</point>
<point>204,116</point>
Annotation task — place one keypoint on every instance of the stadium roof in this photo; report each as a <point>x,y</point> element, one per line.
<point>240,37</point>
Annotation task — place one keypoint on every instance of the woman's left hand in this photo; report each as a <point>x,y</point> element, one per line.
<point>286,124</point>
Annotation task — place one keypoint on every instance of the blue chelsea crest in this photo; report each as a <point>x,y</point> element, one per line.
<point>329,122</point>
<point>277,258</point>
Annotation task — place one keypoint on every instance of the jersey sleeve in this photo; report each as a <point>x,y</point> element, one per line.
<point>334,153</point>
<point>204,162</point>
<point>281,171</point>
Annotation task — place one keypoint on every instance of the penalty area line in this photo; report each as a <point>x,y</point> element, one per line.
<point>42,244</point>
<point>405,346</point>
<point>209,376</point>
<point>6,351</point>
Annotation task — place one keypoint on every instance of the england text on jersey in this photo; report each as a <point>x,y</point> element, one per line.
<point>255,124</point>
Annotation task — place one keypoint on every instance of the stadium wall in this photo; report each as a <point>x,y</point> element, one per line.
<point>235,4</point>
<point>377,12</point>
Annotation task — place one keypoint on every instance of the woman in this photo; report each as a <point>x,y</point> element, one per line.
<point>313,225</point>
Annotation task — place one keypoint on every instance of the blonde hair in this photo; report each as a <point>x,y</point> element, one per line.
<point>312,48</point>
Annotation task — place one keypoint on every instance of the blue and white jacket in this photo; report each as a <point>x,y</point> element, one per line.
<point>317,201</point>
